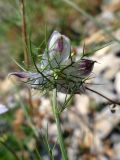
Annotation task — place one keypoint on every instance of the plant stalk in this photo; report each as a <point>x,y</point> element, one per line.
<point>110,100</point>
<point>24,33</point>
<point>59,131</point>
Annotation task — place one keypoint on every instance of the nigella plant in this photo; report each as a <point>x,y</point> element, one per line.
<point>58,69</point>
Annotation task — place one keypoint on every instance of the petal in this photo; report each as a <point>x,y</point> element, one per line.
<point>80,69</point>
<point>59,47</point>
<point>58,51</point>
<point>23,74</point>
<point>19,74</point>
<point>33,79</point>
<point>85,67</point>
<point>53,38</point>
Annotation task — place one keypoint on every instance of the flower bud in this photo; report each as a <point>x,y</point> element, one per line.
<point>58,50</point>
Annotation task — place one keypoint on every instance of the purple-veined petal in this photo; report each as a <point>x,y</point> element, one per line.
<point>60,44</point>
<point>85,67</point>
<point>33,79</point>
<point>58,50</point>
<point>80,69</point>
<point>53,39</point>
<point>24,74</point>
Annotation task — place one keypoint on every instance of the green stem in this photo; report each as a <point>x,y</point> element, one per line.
<point>59,131</point>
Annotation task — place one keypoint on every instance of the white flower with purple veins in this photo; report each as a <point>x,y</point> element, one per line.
<point>57,70</point>
<point>58,51</point>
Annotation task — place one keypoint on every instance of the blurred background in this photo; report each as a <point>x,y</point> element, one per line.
<point>91,131</point>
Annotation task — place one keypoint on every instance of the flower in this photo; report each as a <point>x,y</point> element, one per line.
<point>57,69</point>
<point>58,51</point>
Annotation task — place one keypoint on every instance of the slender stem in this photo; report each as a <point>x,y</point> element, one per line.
<point>110,100</point>
<point>38,154</point>
<point>24,33</point>
<point>27,63</point>
<point>59,131</point>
